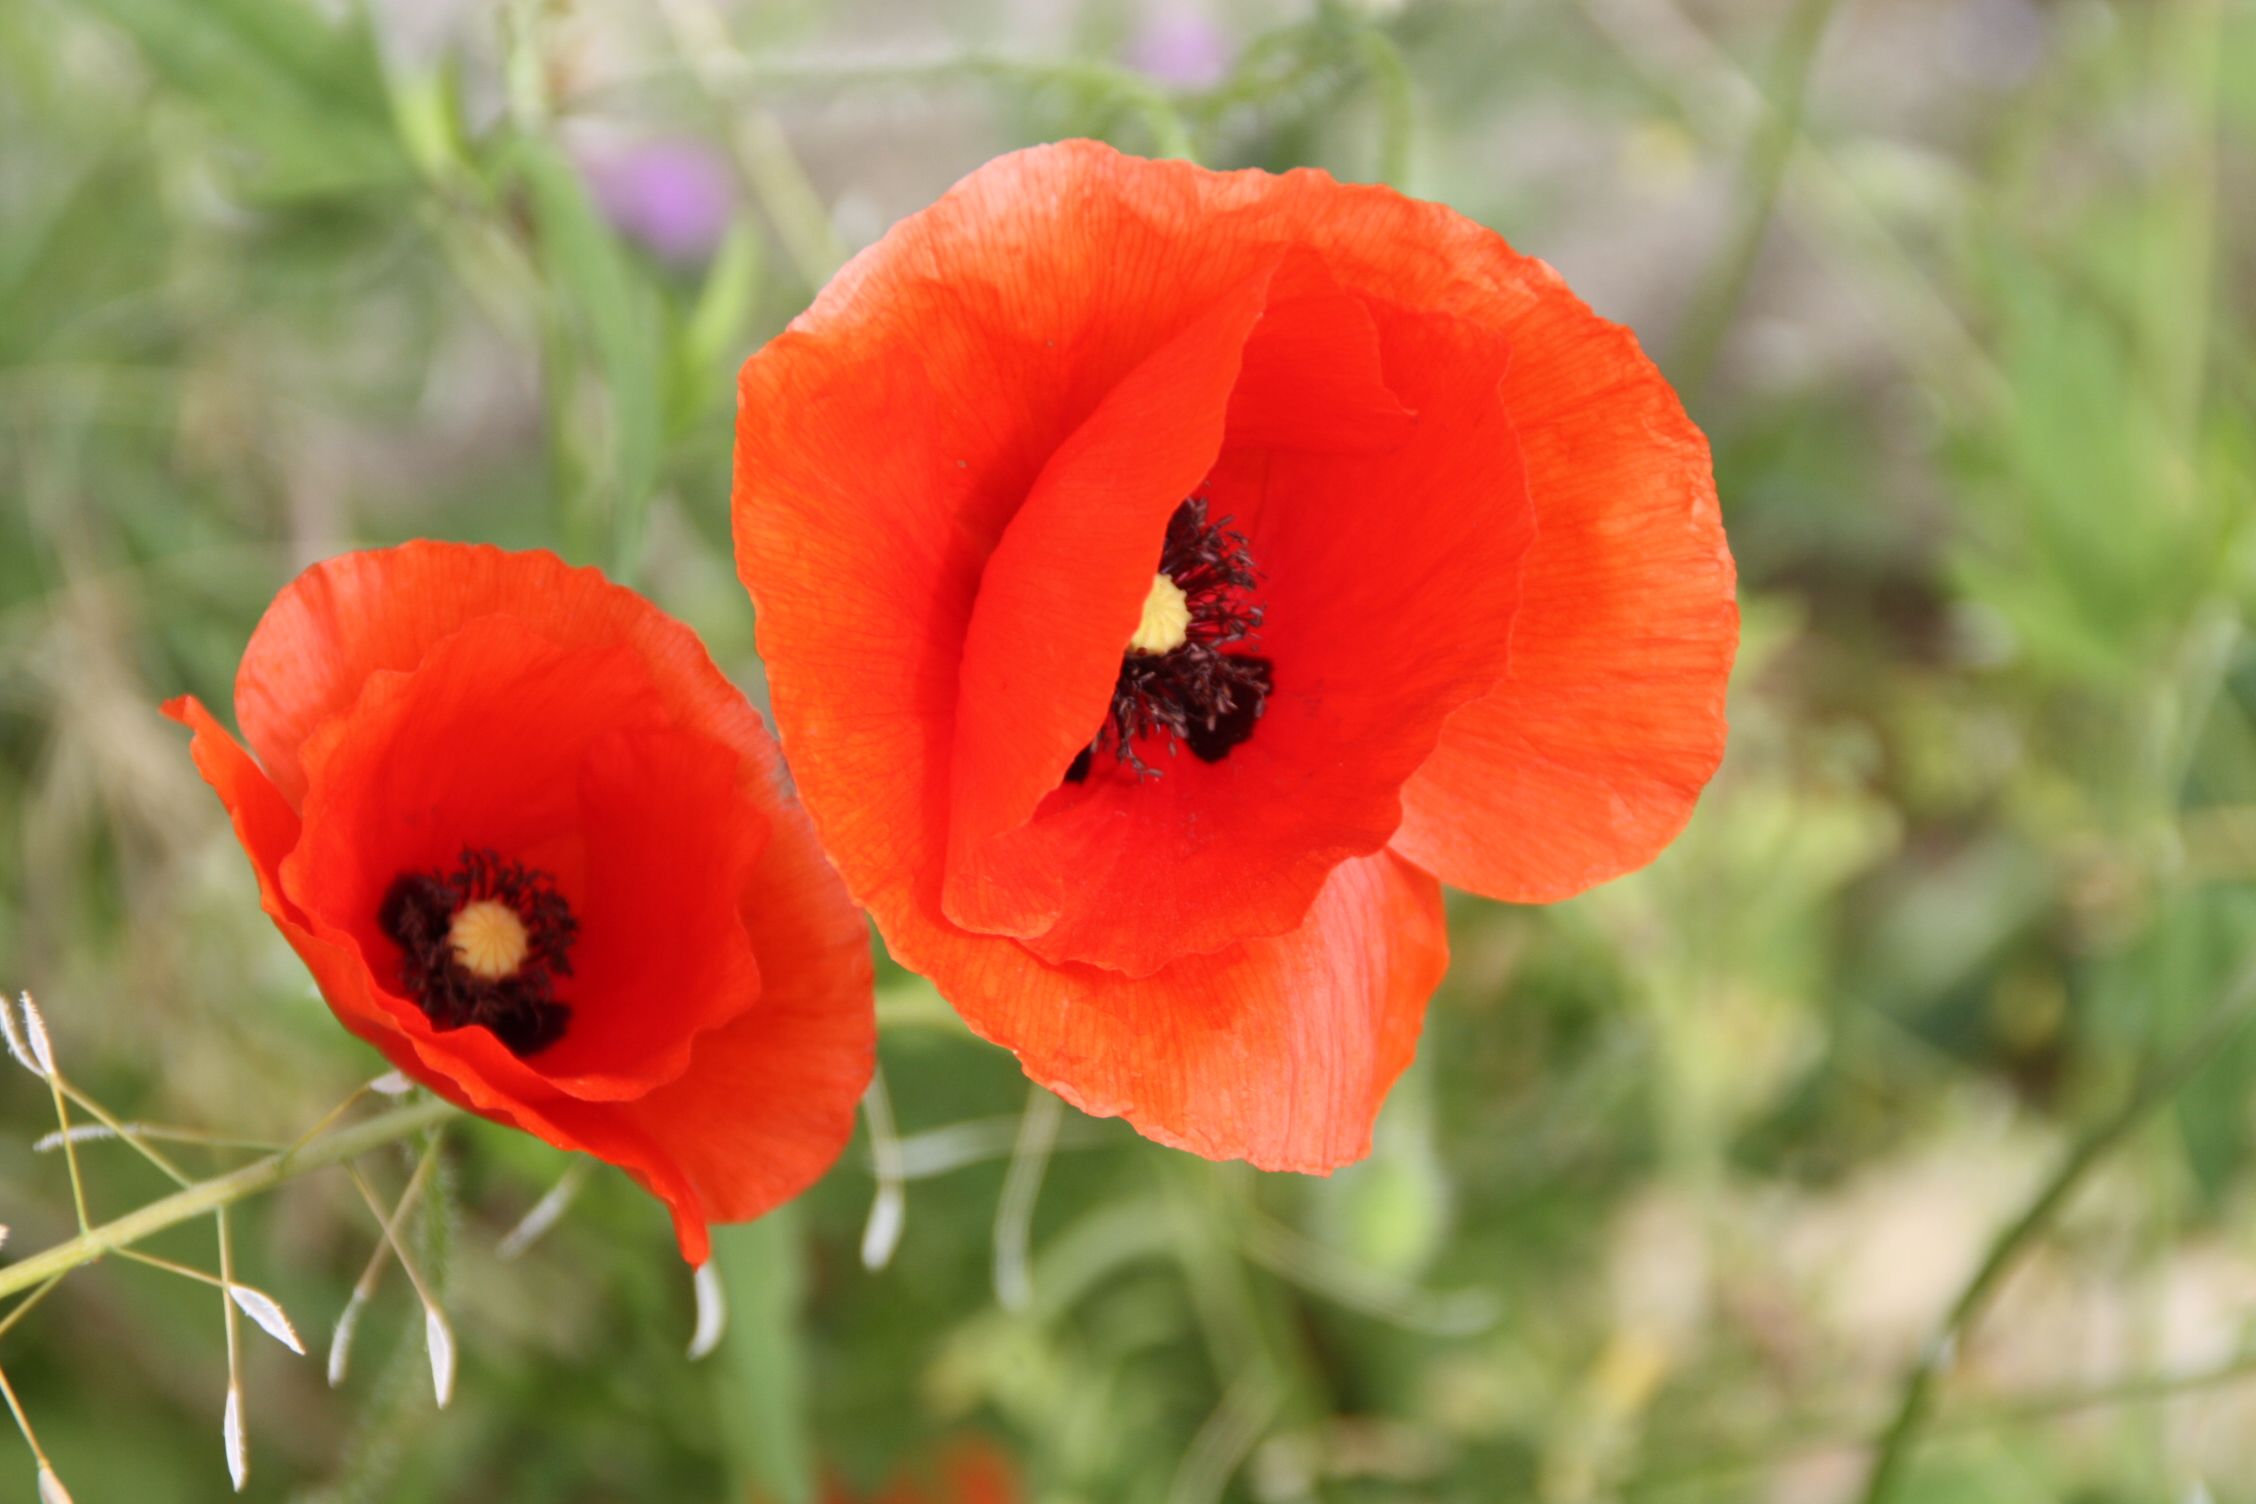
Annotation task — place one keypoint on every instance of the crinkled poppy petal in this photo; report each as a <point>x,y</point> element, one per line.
<point>885,440</point>
<point>768,1103</point>
<point>1277,1051</point>
<point>625,749</point>
<point>1380,620</point>
<point>264,821</point>
<point>269,830</point>
<point>662,950</point>
<point>1061,595</point>
<point>1586,760</point>
<point>888,438</point>
<point>1312,378</point>
<point>492,742</point>
<point>383,609</point>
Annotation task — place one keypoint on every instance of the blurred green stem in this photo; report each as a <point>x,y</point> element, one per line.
<point>1896,1443</point>
<point>738,74</point>
<point>1768,156</point>
<point>763,153</point>
<point>1818,1435</point>
<point>1683,66</point>
<point>209,1196</point>
<point>1397,98</point>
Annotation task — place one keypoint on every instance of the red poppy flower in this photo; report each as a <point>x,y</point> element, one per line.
<point>1165,576</point>
<point>535,848</point>
<point>970,1472</point>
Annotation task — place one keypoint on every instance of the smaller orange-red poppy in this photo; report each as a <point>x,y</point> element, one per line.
<point>969,1472</point>
<point>537,849</point>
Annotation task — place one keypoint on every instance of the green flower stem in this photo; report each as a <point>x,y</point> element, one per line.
<point>1894,1447</point>
<point>208,1196</point>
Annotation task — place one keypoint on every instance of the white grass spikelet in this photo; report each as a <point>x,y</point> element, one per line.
<point>439,1338</point>
<point>340,1340</point>
<point>545,1213</point>
<point>76,1133</point>
<point>712,1311</point>
<point>238,1450</point>
<point>391,1084</point>
<point>35,1031</point>
<point>51,1490</point>
<point>15,1037</point>
<point>881,1234</point>
<point>268,1313</point>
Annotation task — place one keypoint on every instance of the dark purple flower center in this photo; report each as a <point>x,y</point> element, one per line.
<point>1194,694</point>
<point>483,944</point>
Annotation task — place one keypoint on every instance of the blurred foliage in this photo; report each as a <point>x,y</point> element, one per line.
<point>1689,1167</point>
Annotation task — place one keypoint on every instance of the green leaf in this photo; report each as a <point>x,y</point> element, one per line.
<point>307,95</point>
<point>716,333</point>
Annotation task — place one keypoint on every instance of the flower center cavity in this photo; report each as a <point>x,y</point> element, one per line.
<point>1176,680</point>
<point>483,944</point>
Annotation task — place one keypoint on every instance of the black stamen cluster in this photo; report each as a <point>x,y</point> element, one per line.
<point>521,1009</point>
<point>1196,695</point>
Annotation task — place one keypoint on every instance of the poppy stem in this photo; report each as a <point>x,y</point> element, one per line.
<point>207,1196</point>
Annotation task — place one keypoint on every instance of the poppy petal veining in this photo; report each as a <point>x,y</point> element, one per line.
<point>537,850</point>
<point>1200,891</point>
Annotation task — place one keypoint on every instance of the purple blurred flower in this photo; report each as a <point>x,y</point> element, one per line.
<point>1181,46</point>
<point>675,196</point>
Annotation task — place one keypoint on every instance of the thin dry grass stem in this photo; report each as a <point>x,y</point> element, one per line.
<point>371,1276</point>
<point>327,1119</point>
<point>438,1333</point>
<point>107,1126</point>
<point>251,1300</point>
<point>24,1306</point>
<point>546,1212</point>
<point>231,1428</point>
<point>28,1042</point>
<point>202,1198</point>
<point>942,1151</point>
<point>31,1438</point>
<point>392,1221</point>
<point>1022,1187</point>
<point>185,1271</point>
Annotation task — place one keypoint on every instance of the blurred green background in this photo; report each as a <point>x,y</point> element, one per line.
<point>1689,1169</point>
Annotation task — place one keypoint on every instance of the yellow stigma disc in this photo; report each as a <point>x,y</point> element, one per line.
<point>488,939</point>
<point>1167,620</point>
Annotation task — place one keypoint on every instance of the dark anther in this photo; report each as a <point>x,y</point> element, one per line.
<point>418,914</point>
<point>1196,694</point>
<point>1210,740</point>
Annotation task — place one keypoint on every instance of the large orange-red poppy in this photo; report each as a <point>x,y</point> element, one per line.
<point>537,850</point>
<point>1165,576</point>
